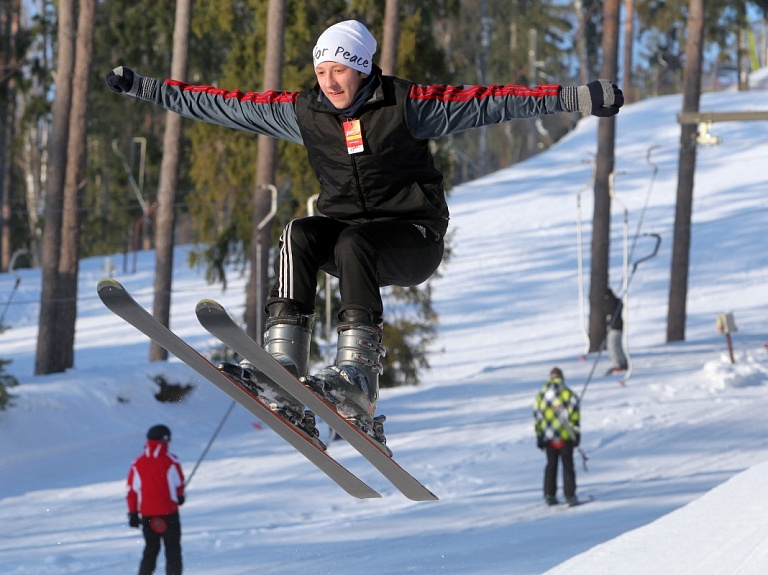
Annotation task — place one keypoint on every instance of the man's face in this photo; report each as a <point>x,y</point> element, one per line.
<point>339,83</point>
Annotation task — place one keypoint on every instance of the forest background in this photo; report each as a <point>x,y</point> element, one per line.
<point>108,151</point>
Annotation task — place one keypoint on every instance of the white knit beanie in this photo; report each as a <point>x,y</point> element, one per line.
<point>349,43</point>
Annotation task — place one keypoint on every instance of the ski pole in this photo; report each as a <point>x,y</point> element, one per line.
<point>207,447</point>
<point>563,417</point>
<point>584,459</point>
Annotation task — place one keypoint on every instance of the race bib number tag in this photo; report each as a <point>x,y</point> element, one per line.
<point>354,136</point>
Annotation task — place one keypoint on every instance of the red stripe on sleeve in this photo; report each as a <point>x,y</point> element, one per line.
<point>462,94</point>
<point>268,97</point>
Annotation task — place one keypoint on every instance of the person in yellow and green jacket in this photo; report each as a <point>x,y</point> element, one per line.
<point>557,423</point>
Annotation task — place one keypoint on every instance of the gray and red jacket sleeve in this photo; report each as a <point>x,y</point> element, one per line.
<point>433,111</point>
<point>271,113</point>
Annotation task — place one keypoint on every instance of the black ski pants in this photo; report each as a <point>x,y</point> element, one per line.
<point>365,257</point>
<point>165,529</point>
<point>565,453</point>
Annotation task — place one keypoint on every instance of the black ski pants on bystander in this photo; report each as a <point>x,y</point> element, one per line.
<point>165,529</point>
<point>565,453</point>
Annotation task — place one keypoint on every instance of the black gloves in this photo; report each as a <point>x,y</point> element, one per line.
<point>121,79</point>
<point>577,440</point>
<point>181,500</point>
<point>540,443</point>
<point>133,520</point>
<point>600,98</point>
<point>606,98</point>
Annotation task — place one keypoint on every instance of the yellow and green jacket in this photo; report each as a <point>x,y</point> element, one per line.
<point>556,412</point>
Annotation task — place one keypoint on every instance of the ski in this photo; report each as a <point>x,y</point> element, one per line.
<point>122,304</point>
<point>217,321</point>
<point>579,502</point>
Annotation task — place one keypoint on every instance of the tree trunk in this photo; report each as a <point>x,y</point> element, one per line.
<point>57,163</point>
<point>66,302</point>
<point>258,285</point>
<point>601,219</point>
<point>9,14</point>
<point>678,283</point>
<point>629,15</point>
<point>482,58</point>
<point>580,40</point>
<point>165,218</point>
<point>742,47</point>
<point>388,60</point>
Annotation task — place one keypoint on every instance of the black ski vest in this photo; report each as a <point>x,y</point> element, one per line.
<point>394,178</point>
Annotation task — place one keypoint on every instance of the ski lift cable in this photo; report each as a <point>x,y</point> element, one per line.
<point>647,198</point>
<point>210,442</point>
<point>12,270</point>
<point>131,179</point>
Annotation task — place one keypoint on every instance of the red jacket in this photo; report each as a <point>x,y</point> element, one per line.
<point>155,481</point>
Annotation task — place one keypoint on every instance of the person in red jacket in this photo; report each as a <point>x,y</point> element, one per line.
<point>155,492</point>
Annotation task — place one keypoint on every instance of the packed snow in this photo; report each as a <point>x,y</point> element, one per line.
<point>676,448</point>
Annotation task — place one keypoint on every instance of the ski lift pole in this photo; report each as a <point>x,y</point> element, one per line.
<point>210,442</point>
<point>260,283</point>
<point>612,194</point>
<point>657,237</point>
<point>653,253</point>
<point>624,274</point>
<point>592,371</point>
<point>311,203</point>
<point>580,257</point>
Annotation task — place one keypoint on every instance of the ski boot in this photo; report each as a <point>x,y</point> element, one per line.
<point>287,339</point>
<point>352,383</point>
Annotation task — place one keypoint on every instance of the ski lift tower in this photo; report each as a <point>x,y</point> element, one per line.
<point>706,119</point>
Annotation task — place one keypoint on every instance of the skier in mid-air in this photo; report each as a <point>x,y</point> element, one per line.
<point>384,214</point>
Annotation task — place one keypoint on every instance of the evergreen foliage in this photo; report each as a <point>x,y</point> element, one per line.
<point>6,381</point>
<point>440,41</point>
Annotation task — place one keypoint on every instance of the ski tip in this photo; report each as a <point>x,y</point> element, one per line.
<point>108,283</point>
<point>208,304</point>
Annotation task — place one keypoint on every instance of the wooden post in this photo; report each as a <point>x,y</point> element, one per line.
<point>726,325</point>
<point>730,346</point>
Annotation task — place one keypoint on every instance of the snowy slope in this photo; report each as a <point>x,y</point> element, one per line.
<point>676,456</point>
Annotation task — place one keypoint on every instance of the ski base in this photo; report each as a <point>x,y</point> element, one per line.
<point>217,321</point>
<point>120,302</point>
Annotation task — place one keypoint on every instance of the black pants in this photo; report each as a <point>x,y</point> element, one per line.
<point>364,257</point>
<point>565,454</point>
<point>167,529</point>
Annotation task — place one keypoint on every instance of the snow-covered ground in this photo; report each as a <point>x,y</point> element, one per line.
<point>677,451</point>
